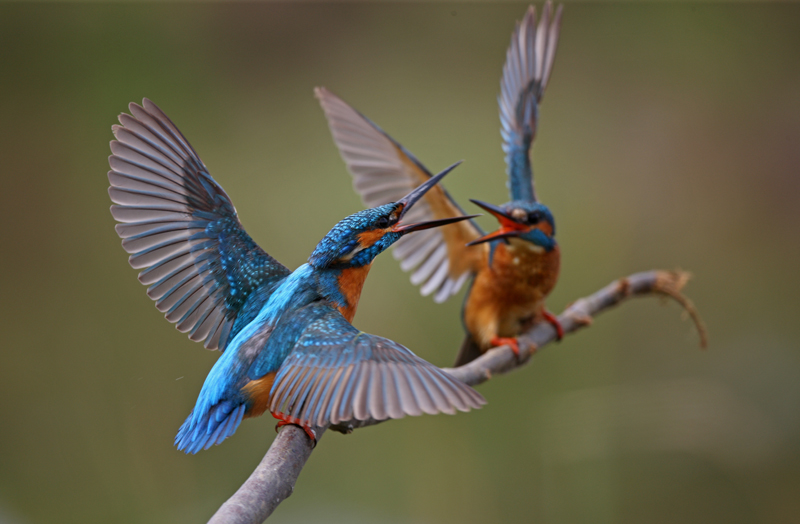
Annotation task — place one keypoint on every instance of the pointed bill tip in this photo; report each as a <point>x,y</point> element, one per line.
<point>423,188</point>
<point>436,178</point>
<point>497,211</point>
<point>450,168</point>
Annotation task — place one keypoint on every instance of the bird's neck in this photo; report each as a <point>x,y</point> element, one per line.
<point>342,287</point>
<point>520,247</point>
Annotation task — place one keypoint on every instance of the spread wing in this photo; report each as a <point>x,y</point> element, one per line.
<point>529,61</point>
<point>384,171</point>
<point>337,374</point>
<point>181,227</point>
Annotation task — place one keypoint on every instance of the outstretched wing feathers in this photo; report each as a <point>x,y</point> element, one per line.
<point>384,171</point>
<point>337,374</point>
<point>529,62</point>
<point>181,228</point>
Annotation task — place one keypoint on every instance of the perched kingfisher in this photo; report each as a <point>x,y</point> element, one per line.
<point>513,269</point>
<point>286,339</point>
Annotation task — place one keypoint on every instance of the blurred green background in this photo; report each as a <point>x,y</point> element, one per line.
<point>670,137</point>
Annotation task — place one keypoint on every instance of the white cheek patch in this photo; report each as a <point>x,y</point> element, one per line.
<point>518,244</point>
<point>348,257</point>
<point>519,214</point>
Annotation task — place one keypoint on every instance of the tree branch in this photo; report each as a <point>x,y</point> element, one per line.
<point>274,478</point>
<point>271,482</point>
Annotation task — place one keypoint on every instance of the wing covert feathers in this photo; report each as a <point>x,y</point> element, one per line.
<point>337,374</point>
<point>384,171</point>
<point>181,228</point>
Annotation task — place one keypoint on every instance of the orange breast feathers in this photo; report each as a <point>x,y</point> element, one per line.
<point>258,393</point>
<point>351,281</point>
<point>510,295</point>
<point>368,238</point>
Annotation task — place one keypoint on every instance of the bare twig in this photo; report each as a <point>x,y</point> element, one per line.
<point>274,478</point>
<point>271,482</point>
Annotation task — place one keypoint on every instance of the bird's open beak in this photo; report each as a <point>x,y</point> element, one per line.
<point>415,195</point>
<point>508,226</point>
<point>419,226</point>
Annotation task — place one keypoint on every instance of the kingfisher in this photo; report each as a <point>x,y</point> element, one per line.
<point>287,342</point>
<point>511,270</point>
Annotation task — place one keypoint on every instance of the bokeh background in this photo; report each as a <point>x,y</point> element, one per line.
<point>670,137</point>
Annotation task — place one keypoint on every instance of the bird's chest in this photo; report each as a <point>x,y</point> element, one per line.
<point>351,282</point>
<point>509,294</point>
<point>521,273</point>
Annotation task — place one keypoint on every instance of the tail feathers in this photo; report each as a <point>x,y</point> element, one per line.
<point>469,351</point>
<point>210,428</point>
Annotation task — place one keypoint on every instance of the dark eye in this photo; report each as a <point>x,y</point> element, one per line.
<point>534,217</point>
<point>383,222</point>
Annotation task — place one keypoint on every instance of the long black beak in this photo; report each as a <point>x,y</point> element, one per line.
<point>420,190</point>
<point>508,226</point>
<point>419,226</point>
<point>411,198</point>
<point>497,211</point>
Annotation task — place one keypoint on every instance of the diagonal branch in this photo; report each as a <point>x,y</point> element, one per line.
<point>581,314</point>
<point>274,478</point>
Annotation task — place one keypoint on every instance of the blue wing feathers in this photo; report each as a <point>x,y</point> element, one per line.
<point>520,172</point>
<point>255,353</point>
<point>181,229</point>
<point>284,338</point>
<point>213,281</point>
<point>327,373</point>
<point>337,374</point>
<point>529,62</point>
<point>253,304</point>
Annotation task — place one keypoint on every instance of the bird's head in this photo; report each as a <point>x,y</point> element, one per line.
<point>359,238</point>
<point>529,221</point>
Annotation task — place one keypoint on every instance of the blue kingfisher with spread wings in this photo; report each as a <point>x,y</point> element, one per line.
<point>512,269</point>
<point>287,342</point>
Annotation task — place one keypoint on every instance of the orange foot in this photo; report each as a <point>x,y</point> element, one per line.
<point>503,341</point>
<point>553,320</point>
<point>286,419</point>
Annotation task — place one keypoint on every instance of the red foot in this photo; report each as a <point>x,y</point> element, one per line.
<point>552,319</point>
<point>503,341</point>
<point>286,419</point>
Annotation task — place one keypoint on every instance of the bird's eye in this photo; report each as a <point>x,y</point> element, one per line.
<point>383,222</point>
<point>534,217</point>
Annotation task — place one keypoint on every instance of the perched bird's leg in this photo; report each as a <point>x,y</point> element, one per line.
<point>553,320</point>
<point>505,341</point>
<point>286,419</point>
